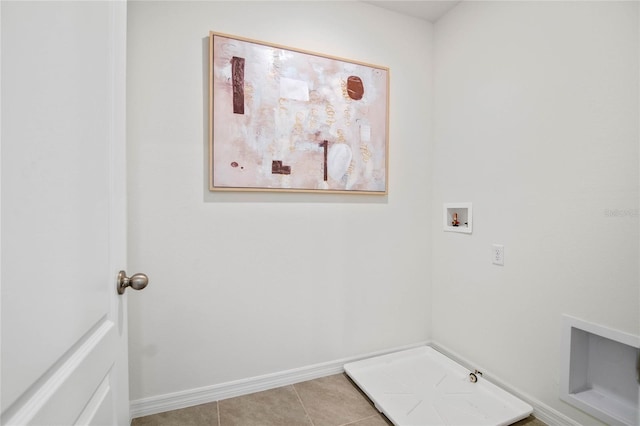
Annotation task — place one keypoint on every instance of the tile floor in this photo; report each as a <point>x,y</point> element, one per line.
<point>328,401</point>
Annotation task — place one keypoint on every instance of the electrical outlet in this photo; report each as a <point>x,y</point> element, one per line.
<point>497,254</point>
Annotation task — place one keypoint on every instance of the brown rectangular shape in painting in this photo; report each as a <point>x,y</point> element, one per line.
<point>282,119</point>
<point>237,76</point>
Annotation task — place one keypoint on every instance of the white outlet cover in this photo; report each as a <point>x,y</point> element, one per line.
<point>497,254</point>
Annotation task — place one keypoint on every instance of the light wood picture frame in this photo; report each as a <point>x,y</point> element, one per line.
<point>282,119</point>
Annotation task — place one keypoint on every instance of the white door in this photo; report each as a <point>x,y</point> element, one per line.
<point>63,325</point>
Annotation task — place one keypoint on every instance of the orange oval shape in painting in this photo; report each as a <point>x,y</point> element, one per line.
<point>355,88</point>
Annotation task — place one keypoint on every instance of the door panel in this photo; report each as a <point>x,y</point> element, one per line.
<point>72,382</point>
<point>63,326</point>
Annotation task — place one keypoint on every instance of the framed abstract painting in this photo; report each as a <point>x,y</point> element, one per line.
<point>282,119</point>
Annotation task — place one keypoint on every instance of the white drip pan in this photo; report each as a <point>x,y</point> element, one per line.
<point>422,387</point>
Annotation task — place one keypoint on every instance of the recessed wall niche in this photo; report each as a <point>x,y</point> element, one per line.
<point>599,371</point>
<point>458,217</point>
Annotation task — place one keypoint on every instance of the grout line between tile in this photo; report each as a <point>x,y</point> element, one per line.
<point>359,420</point>
<point>302,403</point>
<point>218,410</point>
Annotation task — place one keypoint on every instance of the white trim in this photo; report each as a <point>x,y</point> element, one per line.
<point>541,411</point>
<point>191,397</point>
<point>117,207</point>
<point>203,395</point>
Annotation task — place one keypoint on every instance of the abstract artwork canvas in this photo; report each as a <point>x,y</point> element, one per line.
<point>282,119</point>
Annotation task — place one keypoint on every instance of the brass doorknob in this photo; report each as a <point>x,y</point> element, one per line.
<point>136,281</point>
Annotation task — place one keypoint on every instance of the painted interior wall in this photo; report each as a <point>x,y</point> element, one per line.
<point>245,284</point>
<point>536,123</point>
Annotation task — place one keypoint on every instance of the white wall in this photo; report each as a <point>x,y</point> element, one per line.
<point>244,284</point>
<point>536,123</point>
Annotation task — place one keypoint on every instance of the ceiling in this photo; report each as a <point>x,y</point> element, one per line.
<point>429,10</point>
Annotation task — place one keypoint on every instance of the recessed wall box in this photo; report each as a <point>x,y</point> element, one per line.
<point>598,372</point>
<point>458,217</point>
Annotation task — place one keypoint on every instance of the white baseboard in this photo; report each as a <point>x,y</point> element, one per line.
<point>188,398</point>
<point>191,397</point>
<point>541,411</point>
